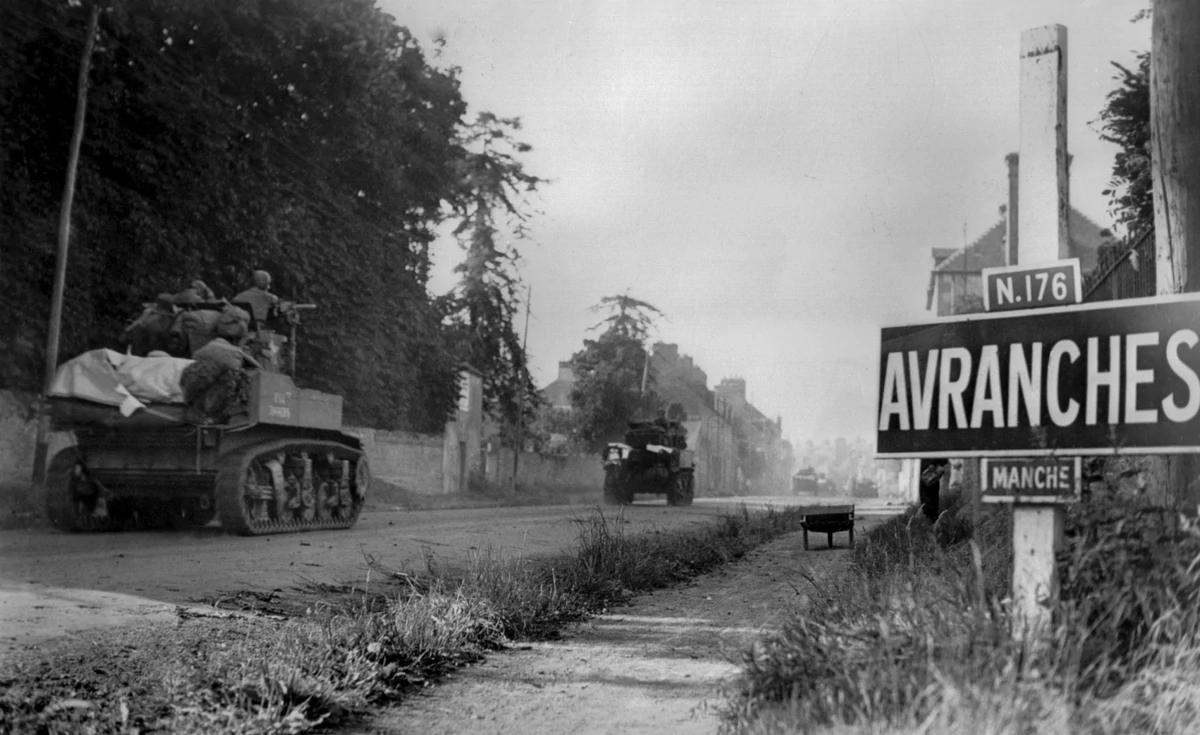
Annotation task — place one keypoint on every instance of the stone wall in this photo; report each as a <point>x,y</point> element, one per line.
<point>18,435</point>
<point>410,461</point>
<point>545,471</point>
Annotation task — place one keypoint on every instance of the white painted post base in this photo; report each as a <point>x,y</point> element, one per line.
<point>1037,538</point>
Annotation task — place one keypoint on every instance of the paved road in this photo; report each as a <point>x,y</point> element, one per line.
<point>54,583</point>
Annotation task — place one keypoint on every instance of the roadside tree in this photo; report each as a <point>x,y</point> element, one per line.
<point>1125,122</point>
<point>315,140</point>
<point>483,307</point>
<point>613,382</point>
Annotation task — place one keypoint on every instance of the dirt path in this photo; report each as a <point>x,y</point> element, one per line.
<point>660,666</point>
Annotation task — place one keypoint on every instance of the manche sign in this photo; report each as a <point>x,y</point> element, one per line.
<point>1083,379</point>
<point>1031,479</point>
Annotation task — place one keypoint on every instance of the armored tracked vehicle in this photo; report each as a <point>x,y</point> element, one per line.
<point>806,482</point>
<point>264,457</point>
<point>654,458</point>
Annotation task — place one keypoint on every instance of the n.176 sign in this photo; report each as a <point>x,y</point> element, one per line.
<point>1025,287</point>
<point>1087,379</point>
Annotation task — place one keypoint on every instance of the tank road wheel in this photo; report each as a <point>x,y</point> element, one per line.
<point>681,489</point>
<point>285,486</point>
<point>74,502</point>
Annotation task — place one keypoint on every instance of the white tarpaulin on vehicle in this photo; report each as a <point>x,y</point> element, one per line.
<point>126,381</point>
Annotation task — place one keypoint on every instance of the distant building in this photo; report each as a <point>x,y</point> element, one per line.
<point>764,458</point>
<point>558,393</point>
<point>683,388</point>
<point>956,280</point>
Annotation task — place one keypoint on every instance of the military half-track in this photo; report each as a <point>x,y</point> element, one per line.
<point>653,459</point>
<point>274,460</point>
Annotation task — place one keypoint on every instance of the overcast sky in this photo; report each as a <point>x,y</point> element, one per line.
<point>771,175</point>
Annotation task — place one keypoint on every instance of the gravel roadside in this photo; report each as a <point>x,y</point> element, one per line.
<point>662,665</point>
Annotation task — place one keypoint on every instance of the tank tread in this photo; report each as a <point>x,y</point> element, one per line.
<point>256,495</point>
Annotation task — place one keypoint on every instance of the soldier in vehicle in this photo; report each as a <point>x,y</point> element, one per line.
<point>196,293</point>
<point>262,302</point>
<point>265,343</point>
<point>149,331</point>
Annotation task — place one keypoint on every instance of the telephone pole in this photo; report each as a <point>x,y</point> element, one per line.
<point>521,391</point>
<point>1175,162</point>
<point>60,268</point>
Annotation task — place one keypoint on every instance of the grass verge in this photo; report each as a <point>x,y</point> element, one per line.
<point>353,648</point>
<point>915,635</point>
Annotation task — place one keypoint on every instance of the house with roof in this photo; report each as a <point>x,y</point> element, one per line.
<point>956,279</point>
<point>764,458</point>
<point>708,417</point>
<point>558,393</point>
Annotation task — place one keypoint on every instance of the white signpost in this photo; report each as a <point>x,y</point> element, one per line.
<point>1042,237</point>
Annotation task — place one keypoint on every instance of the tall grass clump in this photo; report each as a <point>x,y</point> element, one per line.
<point>609,566</point>
<point>352,649</point>
<point>914,634</point>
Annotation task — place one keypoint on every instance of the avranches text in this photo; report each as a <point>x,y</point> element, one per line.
<point>1032,380</point>
<point>1080,379</point>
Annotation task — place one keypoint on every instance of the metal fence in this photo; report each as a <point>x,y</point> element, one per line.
<point>1128,274</point>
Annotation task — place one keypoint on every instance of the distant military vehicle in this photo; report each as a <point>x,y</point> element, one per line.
<point>247,446</point>
<point>806,482</point>
<point>653,459</point>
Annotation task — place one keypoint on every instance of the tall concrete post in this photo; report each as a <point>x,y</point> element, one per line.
<point>1042,237</point>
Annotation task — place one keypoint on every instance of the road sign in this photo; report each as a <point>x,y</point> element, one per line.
<point>1087,379</point>
<point>1026,287</point>
<point>1032,479</point>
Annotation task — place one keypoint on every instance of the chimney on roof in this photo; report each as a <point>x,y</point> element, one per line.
<point>668,351</point>
<point>1014,165</point>
<point>566,373</point>
<point>733,388</point>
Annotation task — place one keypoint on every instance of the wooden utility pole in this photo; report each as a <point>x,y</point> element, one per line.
<point>1175,161</point>
<point>521,392</point>
<point>64,239</point>
<point>1042,237</point>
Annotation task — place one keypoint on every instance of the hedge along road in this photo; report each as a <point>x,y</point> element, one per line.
<point>54,583</point>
